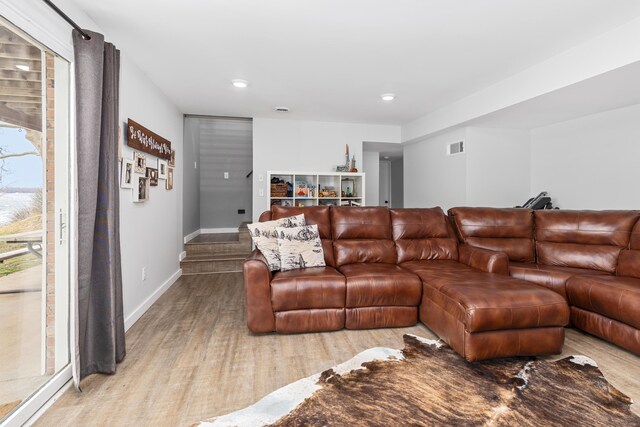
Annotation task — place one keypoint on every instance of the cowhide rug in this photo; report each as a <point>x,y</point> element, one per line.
<point>427,383</point>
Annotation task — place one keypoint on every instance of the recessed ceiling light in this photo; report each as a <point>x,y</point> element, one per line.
<point>388,96</point>
<point>240,83</point>
<point>23,67</point>
<point>386,157</point>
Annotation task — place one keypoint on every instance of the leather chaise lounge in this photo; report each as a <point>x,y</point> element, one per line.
<point>389,267</point>
<point>590,258</point>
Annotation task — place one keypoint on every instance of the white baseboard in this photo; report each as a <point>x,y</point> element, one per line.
<point>196,233</point>
<point>191,236</point>
<point>142,308</point>
<point>182,256</point>
<point>218,230</point>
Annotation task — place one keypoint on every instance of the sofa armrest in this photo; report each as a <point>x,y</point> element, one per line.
<point>257,291</point>
<point>484,259</point>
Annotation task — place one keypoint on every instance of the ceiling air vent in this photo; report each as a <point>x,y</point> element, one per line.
<point>455,148</point>
<point>282,109</point>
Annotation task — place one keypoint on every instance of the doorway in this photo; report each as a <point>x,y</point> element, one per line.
<point>34,211</point>
<point>218,174</point>
<point>383,165</point>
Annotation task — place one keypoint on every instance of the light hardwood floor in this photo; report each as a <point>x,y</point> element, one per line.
<point>190,357</point>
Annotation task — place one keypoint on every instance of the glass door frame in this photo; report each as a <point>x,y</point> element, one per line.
<point>38,22</point>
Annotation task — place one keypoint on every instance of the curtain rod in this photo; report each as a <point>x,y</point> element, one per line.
<point>64,16</point>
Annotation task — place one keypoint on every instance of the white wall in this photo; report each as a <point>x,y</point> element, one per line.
<point>371,167</point>
<point>191,179</point>
<point>397,183</point>
<point>498,167</point>
<point>225,147</point>
<point>590,162</point>
<point>384,183</point>
<point>150,232</point>
<point>307,146</point>
<point>493,171</point>
<point>431,178</point>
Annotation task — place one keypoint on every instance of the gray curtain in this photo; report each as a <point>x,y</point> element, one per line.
<point>99,314</point>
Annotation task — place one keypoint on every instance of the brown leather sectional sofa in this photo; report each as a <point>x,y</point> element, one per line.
<point>489,282</point>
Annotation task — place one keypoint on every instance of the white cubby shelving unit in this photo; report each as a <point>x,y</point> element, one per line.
<point>316,188</point>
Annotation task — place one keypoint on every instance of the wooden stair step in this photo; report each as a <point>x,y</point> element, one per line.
<point>213,263</point>
<point>216,257</point>
<point>218,248</point>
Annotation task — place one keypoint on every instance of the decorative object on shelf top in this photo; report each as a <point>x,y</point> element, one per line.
<point>349,164</point>
<point>141,138</point>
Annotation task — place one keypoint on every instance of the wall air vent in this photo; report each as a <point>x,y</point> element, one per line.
<point>455,148</point>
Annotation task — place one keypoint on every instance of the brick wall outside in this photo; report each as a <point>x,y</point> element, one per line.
<point>51,216</point>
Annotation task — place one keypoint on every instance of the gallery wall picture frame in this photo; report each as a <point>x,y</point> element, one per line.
<point>152,174</point>
<point>172,159</point>
<point>127,173</point>
<point>162,169</point>
<point>140,162</point>
<point>169,181</point>
<point>141,189</point>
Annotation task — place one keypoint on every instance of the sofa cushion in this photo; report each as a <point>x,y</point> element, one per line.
<point>505,230</point>
<point>614,297</point>
<point>551,277</point>
<point>362,234</point>
<point>634,243</point>
<point>583,239</point>
<point>315,287</point>
<point>422,234</point>
<point>585,227</point>
<point>379,284</point>
<point>313,215</point>
<point>629,260</point>
<point>489,302</point>
<point>367,251</point>
<point>429,270</point>
<point>360,223</point>
<point>629,264</point>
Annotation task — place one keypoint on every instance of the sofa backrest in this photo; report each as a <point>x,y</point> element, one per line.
<point>423,234</point>
<point>629,260</point>
<point>313,215</point>
<point>583,239</point>
<point>507,230</point>
<point>362,234</point>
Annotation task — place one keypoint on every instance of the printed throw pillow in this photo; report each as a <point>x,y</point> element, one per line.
<point>300,247</point>
<point>264,237</point>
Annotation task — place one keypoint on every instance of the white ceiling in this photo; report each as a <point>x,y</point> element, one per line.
<point>331,59</point>
<point>616,89</point>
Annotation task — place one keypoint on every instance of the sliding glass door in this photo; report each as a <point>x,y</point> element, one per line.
<point>34,211</point>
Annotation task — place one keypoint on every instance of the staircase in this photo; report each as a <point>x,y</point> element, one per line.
<point>217,253</point>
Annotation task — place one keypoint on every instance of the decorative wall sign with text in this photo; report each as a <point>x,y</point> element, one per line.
<point>141,138</point>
